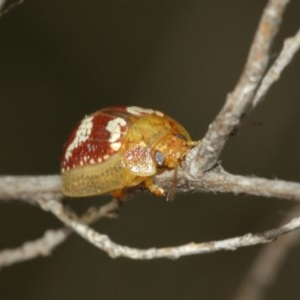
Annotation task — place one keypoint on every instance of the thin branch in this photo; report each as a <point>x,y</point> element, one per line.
<point>45,245</point>
<point>220,181</point>
<point>238,103</point>
<point>32,249</point>
<point>266,266</point>
<point>26,188</point>
<point>103,242</point>
<point>290,48</point>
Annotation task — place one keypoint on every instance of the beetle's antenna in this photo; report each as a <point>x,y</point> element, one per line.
<point>171,192</point>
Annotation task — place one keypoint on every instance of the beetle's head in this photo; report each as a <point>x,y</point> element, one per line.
<point>169,151</point>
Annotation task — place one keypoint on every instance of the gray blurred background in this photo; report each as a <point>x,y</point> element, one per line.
<point>63,59</point>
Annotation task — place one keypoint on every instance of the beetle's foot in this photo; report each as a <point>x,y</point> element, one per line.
<point>153,188</point>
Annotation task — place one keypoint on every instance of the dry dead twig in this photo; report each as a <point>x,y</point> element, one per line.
<point>103,242</point>
<point>240,101</point>
<point>53,238</point>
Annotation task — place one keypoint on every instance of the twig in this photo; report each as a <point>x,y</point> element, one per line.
<point>290,47</point>
<point>32,249</point>
<point>220,181</point>
<point>104,243</point>
<point>238,103</point>
<point>52,238</point>
<point>27,188</point>
<point>266,266</point>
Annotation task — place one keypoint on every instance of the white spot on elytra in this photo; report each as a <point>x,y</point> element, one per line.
<point>159,113</point>
<point>63,170</point>
<point>139,111</point>
<point>115,146</point>
<point>92,161</point>
<point>114,127</point>
<point>106,156</point>
<point>82,134</point>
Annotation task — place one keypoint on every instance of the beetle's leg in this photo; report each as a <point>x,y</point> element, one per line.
<point>153,187</point>
<point>118,194</point>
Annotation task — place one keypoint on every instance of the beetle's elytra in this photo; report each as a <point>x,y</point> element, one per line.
<point>120,147</point>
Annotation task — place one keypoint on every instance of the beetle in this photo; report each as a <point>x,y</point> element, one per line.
<point>120,147</point>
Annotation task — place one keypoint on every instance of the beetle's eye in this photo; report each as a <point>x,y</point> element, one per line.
<point>159,158</point>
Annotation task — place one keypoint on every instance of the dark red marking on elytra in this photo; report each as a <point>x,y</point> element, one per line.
<point>97,146</point>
